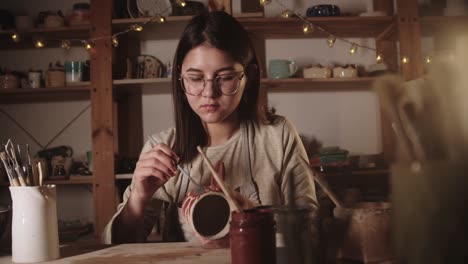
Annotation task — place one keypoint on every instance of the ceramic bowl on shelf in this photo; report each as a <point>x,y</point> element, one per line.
<point>345,72</point>
<point>316,72</point>
<point>323,10</point>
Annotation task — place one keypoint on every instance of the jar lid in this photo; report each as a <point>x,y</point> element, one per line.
<point>81,6</point>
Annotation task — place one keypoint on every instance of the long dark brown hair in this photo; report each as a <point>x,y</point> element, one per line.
<point>225,33</point>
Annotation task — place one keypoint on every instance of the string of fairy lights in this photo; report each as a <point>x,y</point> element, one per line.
<point>307,28</point>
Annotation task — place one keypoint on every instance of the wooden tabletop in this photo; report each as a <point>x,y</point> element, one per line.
<point>141,253</point>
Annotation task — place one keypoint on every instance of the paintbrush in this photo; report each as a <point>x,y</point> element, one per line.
<point>322,184</point>
<point>18,169</point>
<point>178,166</point>
<point>221,185</point>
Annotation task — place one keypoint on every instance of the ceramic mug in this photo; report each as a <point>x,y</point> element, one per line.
<point>281,68</point>
<point>74,71</point>
<point>208,213</point>
<point>34,225</point>
<point>34,78</point>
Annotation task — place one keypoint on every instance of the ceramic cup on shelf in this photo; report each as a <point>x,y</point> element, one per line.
<point>9,81</point>
<point>316,72</point>
<point>281,68</point>
<point>34,78</point>
<point>74,71</point>
<point>345,72</point>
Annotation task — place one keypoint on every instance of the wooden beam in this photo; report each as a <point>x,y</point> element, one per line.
<point>102,115</point>
<point>387,48</point>
<point>410,39</point>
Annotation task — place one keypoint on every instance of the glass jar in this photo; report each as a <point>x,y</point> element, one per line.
<point>252,237</point>
<point>80,14</point>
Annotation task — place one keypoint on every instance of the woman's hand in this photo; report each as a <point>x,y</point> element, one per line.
<point>153,169</point>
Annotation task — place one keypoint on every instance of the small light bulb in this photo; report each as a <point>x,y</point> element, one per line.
<point>307,28</point>
<point>265,2</point>
<point>378,58</point>
<point>405,60</point>
<point>181,3</point>
<point>353,49</point>
<point>15,37</point>
<point>331,41</point>
<point>115,41</point>
<point>136,27</point>
<point>428,59</point>
<point>286,13</point>
<point>88,45</point>
<point>161,19</point>
<point>39,44</point>
<point>65,44</point>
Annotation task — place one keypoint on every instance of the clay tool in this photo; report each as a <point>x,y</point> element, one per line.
<point>9,170</point>
<point>178,166</point>
<point>219,181</point>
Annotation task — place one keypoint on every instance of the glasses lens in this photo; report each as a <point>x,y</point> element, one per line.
<point>192,85</point>
<point>228,84</point>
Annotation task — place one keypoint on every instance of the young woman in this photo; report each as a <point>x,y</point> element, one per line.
<point>220,106</point>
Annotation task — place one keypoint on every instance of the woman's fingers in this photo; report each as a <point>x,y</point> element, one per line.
<point>152,166</point>
<point>168,151</point>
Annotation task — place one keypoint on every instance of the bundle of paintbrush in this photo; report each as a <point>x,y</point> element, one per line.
<point>18,166</point>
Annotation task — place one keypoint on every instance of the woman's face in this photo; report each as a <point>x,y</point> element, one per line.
<point>207,62</point>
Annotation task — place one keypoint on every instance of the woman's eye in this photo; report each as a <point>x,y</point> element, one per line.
<point>227,77</point>
<point>195,78</point>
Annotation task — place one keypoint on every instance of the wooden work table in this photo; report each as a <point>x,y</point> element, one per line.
<point>139,253</point>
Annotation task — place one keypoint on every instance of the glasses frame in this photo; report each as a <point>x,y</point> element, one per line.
<point>239,75</point>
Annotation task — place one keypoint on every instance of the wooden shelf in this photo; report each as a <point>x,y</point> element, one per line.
<point>330,84</point>
<point>74,180</point>
<point>171,29</point>
<point>272,85</point>
<point>432,24</point>
<point>345,26</point>
<point>268,27</point>
<point>58,34</point>
<point>77,91</point>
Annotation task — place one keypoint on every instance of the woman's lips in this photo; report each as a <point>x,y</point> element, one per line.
<point>210,107</point>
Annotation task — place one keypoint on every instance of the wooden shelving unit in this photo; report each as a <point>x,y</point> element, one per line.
<point>78,91</point>
<point>56,33</point>
<point>352,26</point>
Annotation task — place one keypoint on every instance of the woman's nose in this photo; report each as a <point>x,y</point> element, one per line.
<point>210,89</point>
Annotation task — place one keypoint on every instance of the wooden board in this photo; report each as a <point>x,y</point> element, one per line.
<point>143,253</point>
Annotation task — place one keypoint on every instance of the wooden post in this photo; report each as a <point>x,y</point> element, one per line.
<point>387,48</point>
<point>410,39</point>
<point>102,115</point>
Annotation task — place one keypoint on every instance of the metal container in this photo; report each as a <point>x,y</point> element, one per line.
<point>366,231</point>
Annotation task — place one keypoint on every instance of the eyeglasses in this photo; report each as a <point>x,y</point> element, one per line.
<point>227,84</point>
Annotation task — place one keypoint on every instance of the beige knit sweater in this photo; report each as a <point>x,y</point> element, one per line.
<point>273,153</point>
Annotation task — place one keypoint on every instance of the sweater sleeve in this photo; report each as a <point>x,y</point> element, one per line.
<point>296,184</point>
<point>151,211</point>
